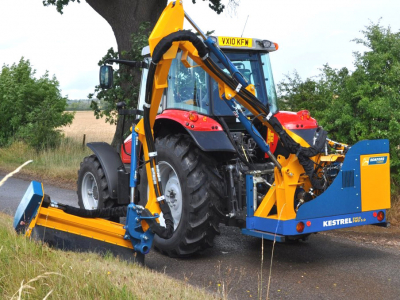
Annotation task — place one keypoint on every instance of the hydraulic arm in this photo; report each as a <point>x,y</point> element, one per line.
<point>167,38</point>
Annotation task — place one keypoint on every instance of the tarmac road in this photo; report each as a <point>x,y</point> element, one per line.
<point>324,267</point>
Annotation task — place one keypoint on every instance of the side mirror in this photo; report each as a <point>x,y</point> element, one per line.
<point>106,77</point>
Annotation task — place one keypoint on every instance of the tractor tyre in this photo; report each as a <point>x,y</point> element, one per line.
<point>92,185</point>
<point>193,190</point>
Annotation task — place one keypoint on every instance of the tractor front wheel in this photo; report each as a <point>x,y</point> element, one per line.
<point>92,185</point>
<point>192,188</point>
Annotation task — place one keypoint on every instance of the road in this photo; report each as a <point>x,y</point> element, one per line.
<point>324,267</point>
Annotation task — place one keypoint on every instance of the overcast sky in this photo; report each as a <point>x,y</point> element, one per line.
<point>309,33</point>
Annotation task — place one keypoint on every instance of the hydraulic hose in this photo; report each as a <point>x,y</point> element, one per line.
<point>228,134</point>
<point>162,47</point>
<point>84,213</point>
<point>303,153</point>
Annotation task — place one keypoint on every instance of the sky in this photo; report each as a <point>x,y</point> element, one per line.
<point>310,33</point>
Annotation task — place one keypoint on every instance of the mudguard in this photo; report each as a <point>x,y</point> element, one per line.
<point>205,131</point>
<point>110,162</point>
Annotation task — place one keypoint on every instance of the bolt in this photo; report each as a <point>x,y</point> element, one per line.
<point>229,96</point>
<point>145,238</point>
<point>137,220</point>
<point>126,237</point>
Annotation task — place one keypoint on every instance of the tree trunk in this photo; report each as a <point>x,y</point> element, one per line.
<point>125,17</point>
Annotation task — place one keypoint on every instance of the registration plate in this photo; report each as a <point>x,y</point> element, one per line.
<point>234,41</point>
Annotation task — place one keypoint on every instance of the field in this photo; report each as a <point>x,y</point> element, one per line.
<point>59,166</point>
<point>96,130</point>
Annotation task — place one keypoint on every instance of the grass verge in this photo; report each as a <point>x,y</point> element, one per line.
<point>58,166</point>
<point>31,270</point>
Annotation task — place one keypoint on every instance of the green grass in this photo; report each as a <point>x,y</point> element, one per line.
<point>32,270</point>
<point>60,164</point>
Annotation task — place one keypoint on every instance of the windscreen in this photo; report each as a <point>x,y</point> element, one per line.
<point>191,88</point>
<point>188,88</point>
<point>256,69</point>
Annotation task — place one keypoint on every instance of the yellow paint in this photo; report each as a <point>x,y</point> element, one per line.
<point>235,41</point>
<point>98,229</point>
<point>283,189</point>
<point>171,20</point>
<point>375,183</point>
<point>251,89</point>
<point>332,158</point>
<point>270,137</point>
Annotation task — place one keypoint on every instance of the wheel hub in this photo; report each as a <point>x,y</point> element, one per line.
<point>172,190</point>
<point>90,191</point>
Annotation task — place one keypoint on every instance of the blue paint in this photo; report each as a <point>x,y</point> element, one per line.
<point>133,176</point>
<point>249,195</point>
<point>226,62</point>
<point>340,198</point>
<point>381,160</point>
<point>288,227</point>
<point>265,235</point>
<point>29,205</point>
<point>247,124</point>
<point>371,147</point>
<point>141,241</point>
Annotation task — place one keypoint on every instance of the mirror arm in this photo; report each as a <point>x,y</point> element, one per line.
<point>134,64</point>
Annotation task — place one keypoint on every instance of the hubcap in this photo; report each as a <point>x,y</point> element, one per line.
<point>172,191</point>
<point>89,192</point>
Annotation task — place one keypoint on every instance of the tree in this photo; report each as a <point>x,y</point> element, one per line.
<point>125,18</point>
<point>32,109</point>
<point>362,105</point>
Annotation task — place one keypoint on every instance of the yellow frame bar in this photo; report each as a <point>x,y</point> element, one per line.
<point>98,229</point>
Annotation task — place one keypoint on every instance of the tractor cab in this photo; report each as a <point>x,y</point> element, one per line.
<point>191,103</point>
<point>190,88</point>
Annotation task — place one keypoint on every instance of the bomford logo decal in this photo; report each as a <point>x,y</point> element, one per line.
<point>344,221</point>
<point>379,160</point>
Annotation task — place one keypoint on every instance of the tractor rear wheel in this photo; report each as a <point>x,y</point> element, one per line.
<point>193,190</point>
<point>92,185</point>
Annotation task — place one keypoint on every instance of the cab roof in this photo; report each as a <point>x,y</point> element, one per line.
<point>237,43</point>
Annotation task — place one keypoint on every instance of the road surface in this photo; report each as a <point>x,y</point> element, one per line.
<point>324,267</point>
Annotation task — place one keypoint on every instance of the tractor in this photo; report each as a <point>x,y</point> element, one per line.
<point>204,151</point>
<point>209,146</point>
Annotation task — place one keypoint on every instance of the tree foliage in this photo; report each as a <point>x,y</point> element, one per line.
<point>125,18</point>
<point>215,5</point>
<point>364,104</point>
<point>31,109</point>
<point>122,75</point>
